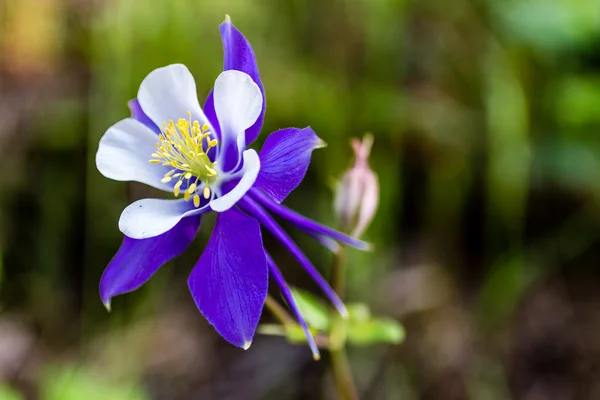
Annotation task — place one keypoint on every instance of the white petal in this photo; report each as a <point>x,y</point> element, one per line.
<point>147,218</point>
<point>251,169</point>
<point>124,152</point>
<point>168,93</point>
<point>238,103</point>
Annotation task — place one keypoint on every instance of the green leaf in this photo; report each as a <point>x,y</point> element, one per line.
<point>70,383</point>
<point>295,334</point>
<point>8,393</point>
<point>313,309</point>
<point>364,333</point>
<point>358,312</point>
<point>551,25</point>
<point>292,332</point>
<point>577,97</point>
<point>271,330</point>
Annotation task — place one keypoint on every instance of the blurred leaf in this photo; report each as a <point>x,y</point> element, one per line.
<point>569,162</point>
<point>271,329</point>
<point>292,332</point>
<point>577,100</point>
<point>509,153</point>
<point>358,312</point>
<point>503,289</point>
<point>8,393</point>
<point>71,383</point>
<point>295,334</point>
<point>313,309</point>
<point>550,25</point>
<point>1,268</point>
<point>377,330</point>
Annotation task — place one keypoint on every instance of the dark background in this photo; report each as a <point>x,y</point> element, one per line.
<point>486,117</point>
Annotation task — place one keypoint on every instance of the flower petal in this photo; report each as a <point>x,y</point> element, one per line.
<point>253,208</point>
<point>169,93</point>
<point>306,224</point>
<point>251,169</point>
<point>238,103</point>
<point>211,115</point>
<point>326,241</point>
<point>124,151</point>
<point>238,56</point>
<point>148,218</point>
<point>138,259</point>
<point>138,114</point>
<point>229,283</point>
<point>289,298</point>
<point>284,159</point>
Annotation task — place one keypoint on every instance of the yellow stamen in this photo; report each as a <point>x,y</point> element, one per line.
<point>177,188</point>
<point>181,147</point>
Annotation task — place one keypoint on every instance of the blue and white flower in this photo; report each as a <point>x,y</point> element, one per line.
<point>200,156</point>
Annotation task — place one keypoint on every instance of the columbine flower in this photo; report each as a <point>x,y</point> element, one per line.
<point>200,157</point>
<point>357,194</point>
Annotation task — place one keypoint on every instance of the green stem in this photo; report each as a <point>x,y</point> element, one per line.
<point>340,366</point>
<point>278,311</point>
<point>338,278</point>
<point>343,375</point>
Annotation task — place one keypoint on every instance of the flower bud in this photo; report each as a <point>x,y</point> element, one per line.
<point>357,194</point>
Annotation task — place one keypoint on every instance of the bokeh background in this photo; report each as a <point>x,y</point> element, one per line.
<point>486,117</point>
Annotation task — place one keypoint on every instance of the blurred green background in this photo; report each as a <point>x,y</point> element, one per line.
<point>486,117</point>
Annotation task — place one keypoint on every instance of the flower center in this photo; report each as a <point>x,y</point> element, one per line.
<point>181,146</point>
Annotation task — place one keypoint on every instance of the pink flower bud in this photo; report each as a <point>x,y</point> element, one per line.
<point>357,194</point>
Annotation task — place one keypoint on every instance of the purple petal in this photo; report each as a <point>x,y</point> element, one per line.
<point>289,298</point>
<point>284,160</point>
<point>229,283</point>
<point>326,241</point>
<point>138,114</point>
<point>211,114</point>
<point>138,259</point>
<point>268,222</point>
<point>306,224</point>
<point>239,56</point>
